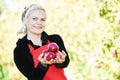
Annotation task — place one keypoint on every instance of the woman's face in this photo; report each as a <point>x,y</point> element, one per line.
<point>35,22</point>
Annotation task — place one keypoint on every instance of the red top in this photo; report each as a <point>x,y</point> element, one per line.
<point>53,72</point>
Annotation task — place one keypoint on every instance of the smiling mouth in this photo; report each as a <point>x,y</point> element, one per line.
<point>38,27</point>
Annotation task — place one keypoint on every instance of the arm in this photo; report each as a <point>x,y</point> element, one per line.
<point>57,39</point>
<point>24,62</point>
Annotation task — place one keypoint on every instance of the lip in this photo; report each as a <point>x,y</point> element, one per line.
<point>38,27</point>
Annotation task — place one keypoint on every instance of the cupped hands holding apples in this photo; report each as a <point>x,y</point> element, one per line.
<point>52,55</point>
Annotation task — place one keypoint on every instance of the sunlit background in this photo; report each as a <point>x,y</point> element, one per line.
<point>90,30</point>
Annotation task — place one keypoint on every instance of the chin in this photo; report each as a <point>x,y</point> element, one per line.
<point>38,33</point>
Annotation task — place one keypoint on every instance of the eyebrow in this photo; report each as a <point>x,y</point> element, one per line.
<point>37,17</point>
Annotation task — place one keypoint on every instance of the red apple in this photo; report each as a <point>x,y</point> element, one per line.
<point>50,56</point>
<point>53,47</point>
<point>58,54</point>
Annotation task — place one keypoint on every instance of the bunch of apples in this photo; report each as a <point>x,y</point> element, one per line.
<point>52,51</point>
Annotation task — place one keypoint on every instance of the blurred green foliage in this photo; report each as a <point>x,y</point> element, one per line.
<point>89,28</point>
<point>2,6</point>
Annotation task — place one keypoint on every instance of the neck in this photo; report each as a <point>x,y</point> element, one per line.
<point>36,39</point>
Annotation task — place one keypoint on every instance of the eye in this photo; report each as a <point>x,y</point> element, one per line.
<point>34,18</point>
<point>43,19</point>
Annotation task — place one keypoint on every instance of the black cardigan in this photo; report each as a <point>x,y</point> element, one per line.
<point>24,61</point>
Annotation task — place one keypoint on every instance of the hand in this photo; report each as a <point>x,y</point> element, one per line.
<point>60,59</point>
<point>42,59</point>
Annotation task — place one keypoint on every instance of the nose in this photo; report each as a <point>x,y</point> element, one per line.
<point>39,22</point>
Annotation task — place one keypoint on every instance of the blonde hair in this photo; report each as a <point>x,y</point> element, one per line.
<point>26,13</point>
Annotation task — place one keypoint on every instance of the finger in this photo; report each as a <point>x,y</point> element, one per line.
<point>51,61</point>
<point>40,56</point>
<point>59,60</point>
<point>45,56</point>
<point>56,60</point>
<point>63,52</point>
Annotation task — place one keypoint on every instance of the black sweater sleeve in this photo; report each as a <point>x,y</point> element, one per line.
<point>24,62</point>
<point>57,39</point>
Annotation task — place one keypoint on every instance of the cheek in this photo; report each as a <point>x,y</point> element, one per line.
<point>44,23</point>
<point>29,23</point>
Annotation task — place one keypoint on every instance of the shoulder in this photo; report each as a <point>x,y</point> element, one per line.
<point>23,41</point>
<point>21,46</point>
<point>54,37</point>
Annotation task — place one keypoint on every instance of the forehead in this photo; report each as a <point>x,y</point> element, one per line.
<point>37,13</point>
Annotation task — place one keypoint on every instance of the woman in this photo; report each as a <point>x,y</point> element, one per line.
<point>28,55</point>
